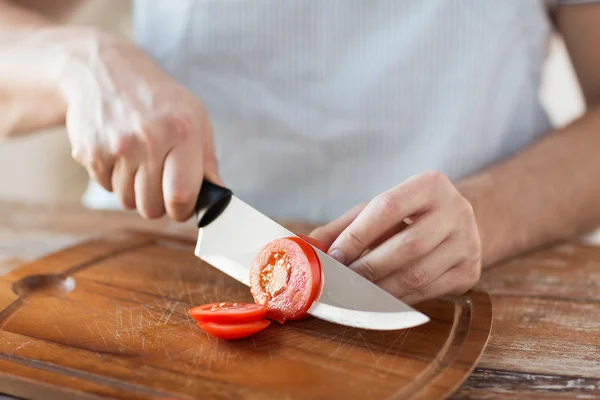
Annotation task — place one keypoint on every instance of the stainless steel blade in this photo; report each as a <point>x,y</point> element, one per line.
<point>231,242</point>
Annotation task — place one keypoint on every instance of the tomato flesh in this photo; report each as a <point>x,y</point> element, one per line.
<point>314,242</point>
<point>285,276</point>
<point>227,312</point>
<point>234,331</point>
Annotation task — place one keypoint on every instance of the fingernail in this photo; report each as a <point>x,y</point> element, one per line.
<point>337,254</point>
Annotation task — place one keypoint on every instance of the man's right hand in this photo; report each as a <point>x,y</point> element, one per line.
<point>139,133</point>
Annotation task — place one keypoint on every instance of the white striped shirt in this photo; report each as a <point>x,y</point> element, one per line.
<point>319,105</point>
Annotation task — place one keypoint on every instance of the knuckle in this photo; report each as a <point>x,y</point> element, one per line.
<point>415,278</point>
<point>464,207</point>
<point>354,238</point>
<point>386,205</point>
<point>416,245</point>
<point>180,125</point>
<point>124,145</point>
<point>435,178</point>
<point>366,269</point>
<point>78,155</point>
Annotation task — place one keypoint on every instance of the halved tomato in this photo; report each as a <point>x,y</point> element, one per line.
<point>234,331</point>
<point>314,242</point>
<point>227,312</point>
<point>285,276</point>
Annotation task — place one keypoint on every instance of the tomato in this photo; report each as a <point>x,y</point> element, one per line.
<point>314,242</point>
<point>234,331</point>
<point>227,312</point>
<point>285,276</point>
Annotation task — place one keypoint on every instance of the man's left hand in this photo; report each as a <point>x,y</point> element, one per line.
<point>418,240</point>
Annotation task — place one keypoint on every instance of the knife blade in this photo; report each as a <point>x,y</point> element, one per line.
<point>232,232</point>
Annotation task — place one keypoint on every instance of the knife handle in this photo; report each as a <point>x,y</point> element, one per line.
<point>212,201</point>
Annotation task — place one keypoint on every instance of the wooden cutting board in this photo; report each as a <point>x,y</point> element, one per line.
<point>108,319</point>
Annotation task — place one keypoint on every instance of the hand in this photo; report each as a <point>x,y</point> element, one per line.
<point>418,240</point>
<point>138,133</point>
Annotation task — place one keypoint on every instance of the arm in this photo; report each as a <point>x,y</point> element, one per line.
<point>428,237</point>
<point>21,13</point>
<point>139,133</point>
<point>549,191</point>
<point>27,103</point>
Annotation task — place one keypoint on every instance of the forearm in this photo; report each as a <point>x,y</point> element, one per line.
<point>546,193</point>
<point>32,13</point>
<point>31,61</point>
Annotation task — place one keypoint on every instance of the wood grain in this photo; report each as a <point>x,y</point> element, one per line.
<point>546,337</point>
<point>526,292</point>
<point>500,384</point>
<point>108,317</point>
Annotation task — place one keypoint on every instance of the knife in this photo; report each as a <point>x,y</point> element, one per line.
<point>232,232</point>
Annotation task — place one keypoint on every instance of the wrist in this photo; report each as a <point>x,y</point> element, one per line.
<point>479,191</point>
<point>38,64</point>
<point>76,57</point>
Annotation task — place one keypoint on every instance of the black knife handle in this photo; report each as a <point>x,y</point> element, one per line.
<point>212,201</point>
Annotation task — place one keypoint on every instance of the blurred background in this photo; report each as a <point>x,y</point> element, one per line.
<point>39,168</point>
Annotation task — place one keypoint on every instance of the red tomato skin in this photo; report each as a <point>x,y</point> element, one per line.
<point>281,318</point>
<point>227,312</point>
<point>233,331</point>
<point>303,284</point>
<point>314,242</point>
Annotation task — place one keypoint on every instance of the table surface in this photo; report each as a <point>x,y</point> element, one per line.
<point>545,340</point>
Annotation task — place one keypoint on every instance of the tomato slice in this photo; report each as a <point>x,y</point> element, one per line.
<point>314,242</point>
<point>234,331</point>
<point>285,276</point>
<point>227,312</point>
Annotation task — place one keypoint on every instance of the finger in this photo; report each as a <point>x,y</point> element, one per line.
<point>98,162</point>
<point>84,138</point>
<point>211,164</point>
<point>123,181</point>
<point>148,189</point>
<point>455,282</point>
<point>399,227</point>
<point>404,248</point>
<point>410,198</point>
<point>184,171</point>
<point>100,167</point>
<point>129,153</point>
<point>181,181</point>
<point>326,234</point>
<point>419,275</point>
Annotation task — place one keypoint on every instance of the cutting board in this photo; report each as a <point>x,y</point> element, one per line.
<point>107,318</point>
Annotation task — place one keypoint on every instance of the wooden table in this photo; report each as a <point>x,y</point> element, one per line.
<point>545,340</point>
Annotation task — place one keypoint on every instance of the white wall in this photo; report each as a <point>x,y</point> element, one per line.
<point>39,167</point>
